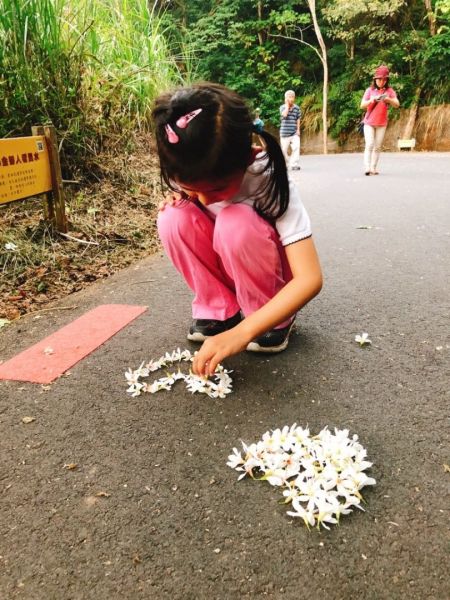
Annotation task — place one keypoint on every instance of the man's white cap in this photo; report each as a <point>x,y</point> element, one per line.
<point>289,93</point>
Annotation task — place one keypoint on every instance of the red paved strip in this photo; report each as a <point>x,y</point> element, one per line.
<point>49,358</point>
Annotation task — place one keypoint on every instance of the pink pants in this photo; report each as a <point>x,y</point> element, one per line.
<point>233,263</point>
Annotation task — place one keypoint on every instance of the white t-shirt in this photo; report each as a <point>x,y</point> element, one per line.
<point>293,226</point>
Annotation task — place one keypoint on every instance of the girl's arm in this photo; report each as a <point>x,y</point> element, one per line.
<point>306,283</point>
<point>366,103</point>
<point>393,101</point>
<point>367,99</point>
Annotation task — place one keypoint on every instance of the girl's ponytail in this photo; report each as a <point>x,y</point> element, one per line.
<point>272,201</point>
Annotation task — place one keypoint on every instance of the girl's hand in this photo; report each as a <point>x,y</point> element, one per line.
<point>216,348</point>
<point>170,199</point>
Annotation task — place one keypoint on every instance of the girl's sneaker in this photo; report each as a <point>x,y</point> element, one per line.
<point>275,340</point>
<point>204,328</point>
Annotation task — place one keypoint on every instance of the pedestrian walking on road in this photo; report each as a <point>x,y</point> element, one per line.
<point>290,130</point>
<point>258,125</point>
<point>376,101</point>
<point>233,225</point>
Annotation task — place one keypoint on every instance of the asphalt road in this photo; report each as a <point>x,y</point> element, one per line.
<point>173,521</point>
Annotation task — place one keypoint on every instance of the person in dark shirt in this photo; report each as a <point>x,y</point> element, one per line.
<point>290,130</point>
<point>258,125</point>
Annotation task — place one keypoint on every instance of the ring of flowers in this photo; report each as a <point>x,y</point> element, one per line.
<point>194,383</point>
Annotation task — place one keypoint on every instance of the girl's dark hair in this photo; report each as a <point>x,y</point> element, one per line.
<point>217,143</point>
<point>374,85</point>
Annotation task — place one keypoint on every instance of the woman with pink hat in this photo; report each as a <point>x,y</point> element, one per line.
<point>376,101</point>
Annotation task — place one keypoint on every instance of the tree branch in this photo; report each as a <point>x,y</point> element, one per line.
<point>289,37</point>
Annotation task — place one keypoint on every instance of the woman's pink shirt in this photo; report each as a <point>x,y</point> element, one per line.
<point>377,115</point>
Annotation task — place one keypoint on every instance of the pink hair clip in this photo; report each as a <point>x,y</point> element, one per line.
<point>183,121</point>
<point>171,135</point>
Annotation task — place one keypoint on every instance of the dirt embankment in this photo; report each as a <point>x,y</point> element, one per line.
<point>431,132</point>
<point>112,223</point>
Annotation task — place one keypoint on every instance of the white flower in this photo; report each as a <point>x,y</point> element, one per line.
<point>325,516</point>
<point>235,459</point>
<point>135,389</point>
<point>153,365</point>
<point>276,477</point>
<point>301,436</point>
<point>219,390</point>
<point>310,491</point>
<point>196,384</point>
<point>248,467</point>
<point>271,440</point>
<point>10,246</point>
<point>299,511</point>
<point>363,339</point>
<point>290,493</point>
<point>132,376</point>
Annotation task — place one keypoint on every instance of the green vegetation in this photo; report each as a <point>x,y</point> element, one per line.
<point>90,67</point>
<point>93,67</point>
<point>261,48</point>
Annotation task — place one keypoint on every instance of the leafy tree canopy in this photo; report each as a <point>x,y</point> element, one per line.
<point>261,48</point>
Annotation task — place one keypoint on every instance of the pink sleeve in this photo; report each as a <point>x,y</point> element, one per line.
<point>366,94</point>
<point>391,93</point>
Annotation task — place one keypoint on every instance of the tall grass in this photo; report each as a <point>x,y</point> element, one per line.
<point>90,67</point>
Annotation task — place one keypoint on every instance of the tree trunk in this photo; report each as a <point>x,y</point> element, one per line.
<point>312,8</point>
<point>431,17</point>
<point>260,35</point>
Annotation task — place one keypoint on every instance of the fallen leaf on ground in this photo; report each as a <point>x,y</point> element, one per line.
<point>28,419</point>
<point>70,466</point>
<point>446,468</point>
<point>102,495</point>
<point>12,313</point>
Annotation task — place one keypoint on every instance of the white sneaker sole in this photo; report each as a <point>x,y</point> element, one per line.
<point>255,347</point>
<point>197,337</point>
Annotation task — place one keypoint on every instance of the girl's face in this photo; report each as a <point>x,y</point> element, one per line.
<point>380,81</point>
<point>210,192</point>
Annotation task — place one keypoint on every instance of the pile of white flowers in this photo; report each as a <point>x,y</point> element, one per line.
<point>194,383</point>
<point>322,475</point>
